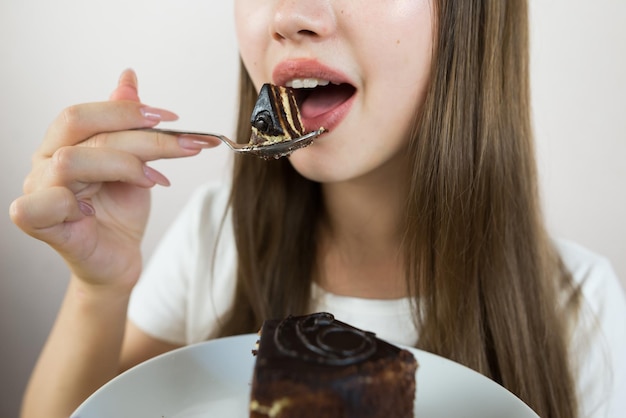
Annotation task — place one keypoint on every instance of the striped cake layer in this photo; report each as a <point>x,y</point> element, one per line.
<point>276,116</point>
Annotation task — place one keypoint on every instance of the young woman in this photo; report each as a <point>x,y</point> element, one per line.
<point>416,216</point>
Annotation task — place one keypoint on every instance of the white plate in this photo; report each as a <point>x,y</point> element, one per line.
<point>212,379</point>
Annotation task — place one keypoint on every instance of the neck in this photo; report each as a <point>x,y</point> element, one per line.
<point>361,234</point>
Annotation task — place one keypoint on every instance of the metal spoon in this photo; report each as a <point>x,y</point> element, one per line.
<point>268,151</point>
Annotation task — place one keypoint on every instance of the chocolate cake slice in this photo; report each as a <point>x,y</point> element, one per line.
<point>316,366</point>
<point>276,117</point>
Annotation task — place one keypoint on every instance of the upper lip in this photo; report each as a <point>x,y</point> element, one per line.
<point>306,68</point>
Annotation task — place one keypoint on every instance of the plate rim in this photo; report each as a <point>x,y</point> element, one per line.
<point>249,338</point>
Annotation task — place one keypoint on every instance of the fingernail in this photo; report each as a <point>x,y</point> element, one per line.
<point>86,208</point>
<point>196,143</point>
<point>153,175</point>
<point>154,114</point>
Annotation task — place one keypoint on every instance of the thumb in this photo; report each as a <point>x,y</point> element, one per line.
<point>126,87</point>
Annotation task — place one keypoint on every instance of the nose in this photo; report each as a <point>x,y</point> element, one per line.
<point>297,20</point>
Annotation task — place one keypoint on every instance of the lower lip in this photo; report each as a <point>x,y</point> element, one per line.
<point>331,119</point>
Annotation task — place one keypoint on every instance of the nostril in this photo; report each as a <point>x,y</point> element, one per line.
<point>301,20</point>
<point>303,33</point>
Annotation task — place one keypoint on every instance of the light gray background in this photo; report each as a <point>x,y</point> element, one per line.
<point>54,54</point>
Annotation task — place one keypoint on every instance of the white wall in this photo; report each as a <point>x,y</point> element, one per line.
<point>579,69</point>
<point>58,53</point>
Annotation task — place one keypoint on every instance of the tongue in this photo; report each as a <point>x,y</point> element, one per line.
<point>324,99</point>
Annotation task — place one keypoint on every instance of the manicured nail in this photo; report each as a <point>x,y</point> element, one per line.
<point>196,143</point>
<point>153,175</point>
<point>154,114</point>
<point>86,208</point>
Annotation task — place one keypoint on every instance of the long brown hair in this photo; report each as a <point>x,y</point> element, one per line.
<point>483,274</point>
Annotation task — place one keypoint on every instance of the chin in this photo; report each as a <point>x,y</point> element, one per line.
<point>315,166</point>
<point>324,164</point>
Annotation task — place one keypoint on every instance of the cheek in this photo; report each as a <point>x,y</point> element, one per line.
<point>400,74</point>
<point>251,23</point>
<point>395,53</point>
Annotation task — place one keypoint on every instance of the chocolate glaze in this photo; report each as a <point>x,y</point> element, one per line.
<point>265,114</point>
<point>272,119</point>
<point>321,339</point>
<point>318,340</point>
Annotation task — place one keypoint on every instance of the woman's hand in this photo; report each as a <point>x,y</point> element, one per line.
<point>87,195</point>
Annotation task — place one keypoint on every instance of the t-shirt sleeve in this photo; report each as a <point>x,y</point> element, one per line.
<point>599,339</point>
<point>159,303</point>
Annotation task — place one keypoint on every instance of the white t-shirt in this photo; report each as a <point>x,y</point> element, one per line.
<point>189,284</point>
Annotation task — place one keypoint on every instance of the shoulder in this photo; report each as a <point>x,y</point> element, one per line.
<point>204,214</point>
<point>601,289</point>
<point>207,224</point>
<point>599,336</point>
<point>591,271</point>
<point>189,281</point>
<point>582,262</point>
<point>210,200</point>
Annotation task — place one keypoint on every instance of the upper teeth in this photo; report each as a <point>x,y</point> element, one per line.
<point>307,83</point>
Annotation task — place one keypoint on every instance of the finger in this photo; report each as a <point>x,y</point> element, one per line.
<point>145,146</point>
<point>43,214</point>
<point>80,168</point>
<point>77,123</point>
<point>127,87</point>
<point>150,146</point>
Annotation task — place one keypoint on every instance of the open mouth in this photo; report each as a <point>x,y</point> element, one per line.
<point>321,102</point>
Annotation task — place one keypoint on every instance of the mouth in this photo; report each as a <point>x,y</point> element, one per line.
<point>324,95</point>
<point>320,101</point>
